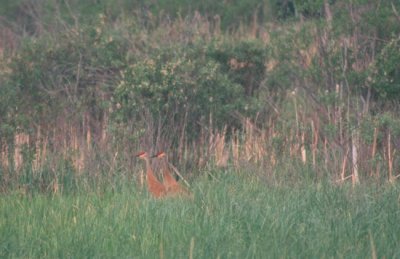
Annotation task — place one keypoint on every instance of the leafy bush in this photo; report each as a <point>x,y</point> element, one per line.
<point>68,70</point>
<point>185,88</point>
<point>243,61</point>
<point>387,74</point>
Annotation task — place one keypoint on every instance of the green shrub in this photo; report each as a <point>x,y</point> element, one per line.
<point>387,74</point>
<point>242,61</point>
<point>184,88</point>
<point>69,70</point>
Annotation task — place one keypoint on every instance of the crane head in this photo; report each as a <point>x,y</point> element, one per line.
<point>141,155</point>
<point>159,154</point>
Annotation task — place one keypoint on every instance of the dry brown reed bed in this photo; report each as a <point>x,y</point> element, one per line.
<point>344,156</point>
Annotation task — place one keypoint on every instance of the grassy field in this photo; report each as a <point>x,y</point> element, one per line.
<point>230,217</point>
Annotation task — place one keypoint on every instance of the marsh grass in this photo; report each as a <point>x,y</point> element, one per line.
<point>231,216</point>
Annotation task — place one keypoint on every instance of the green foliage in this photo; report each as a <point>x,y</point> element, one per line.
<point>68,70</point>
<point>183,88</point>
<point>381,19</point>
<point>230,217</point>
<point>310,8</point>
<point>288,69</point>
<point>386,79</point>
<point>232,13</point>
<point>162,69</point>
<point>8,107</point>
<point>281,10</point>
<point>243,61</point>
<point>286,10</point>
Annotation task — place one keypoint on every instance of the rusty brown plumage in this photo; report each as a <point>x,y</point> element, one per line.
<point>171,185</point>
<point>155,187</point>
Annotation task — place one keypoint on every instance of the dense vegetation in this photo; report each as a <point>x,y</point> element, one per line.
<point>309,84</point>
<point>283,116</point>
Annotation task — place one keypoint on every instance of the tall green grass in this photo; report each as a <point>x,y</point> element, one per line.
<point>231,216</point>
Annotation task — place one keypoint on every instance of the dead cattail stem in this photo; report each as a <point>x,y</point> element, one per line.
<point>4,156</point>
<point>354,149</point>
<point>221,153</point>
<point>248,133</point>
<point>344,164</point>
<point>235,149</point>
<point>344,179</point>
<point>303,149</point>
<point>390,154</point>
<point>314,145</point>
<point>338,112</point>
<point>200,149</point>
<point>20,140</point>
<point>161,250</point>
<point>37,161</point>
<point>260,146</point>
<point>179,174</point>
<point>372,243</point>
<point>254,141</point>
<point>326,155</point>
<point>54,186</point>
<point>373,150</point>
<point>141,179</point>
<point>191,249</point>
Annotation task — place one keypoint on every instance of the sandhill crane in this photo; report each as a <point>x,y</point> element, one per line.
<point>171,185</point>
<point>155,187</point>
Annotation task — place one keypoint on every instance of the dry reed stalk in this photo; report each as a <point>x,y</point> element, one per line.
<point>247,149</point>
<point>390,157</point>
<point>201,161</point>
<point>88,138</point>
<point>161,250</point>
<point>260,145</point>
<point>340,110</point>
<point>372,243</point>
<point>314,145</point>
<point>293,144</point>
<point>4,156</point>
<point>344,165</point>
<point>191,249</point>
<point>326,156</point>
<point>303,149</point>
<point>104,133</point>
<point>75,150</point>
<point>141,178</point>
<point>210,139</point>
<point>255,141</point>
<point>44,150</point>
<point>296,112</point>
<point>20,140</point>
<point>249,140</point>
<point>235,149</point>
<point>179,174</point>
<point>38,156</point>
<point>272,159</point>
<point>354,156</point>
<point>55,186</point>
<point>221,153</point>
<point>373,150</point>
